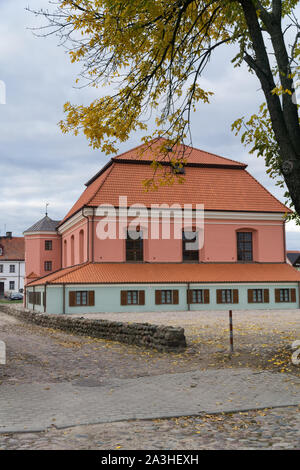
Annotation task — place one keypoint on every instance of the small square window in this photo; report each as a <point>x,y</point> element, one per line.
<point>48,245</point>
<point>48,266</point>
<point>132,297</point>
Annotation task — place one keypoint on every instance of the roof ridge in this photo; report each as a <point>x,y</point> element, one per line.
<point>184,145</point>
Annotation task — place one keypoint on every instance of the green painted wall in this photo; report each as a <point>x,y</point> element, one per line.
<point>107,298</point>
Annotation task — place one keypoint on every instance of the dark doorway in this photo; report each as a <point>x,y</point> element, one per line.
<point>1,289</point>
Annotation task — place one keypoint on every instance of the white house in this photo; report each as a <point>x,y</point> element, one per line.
<point>12,264</point>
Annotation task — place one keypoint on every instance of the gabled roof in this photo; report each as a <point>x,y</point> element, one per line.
<point>192,155</point>
<point>13,249</point>
<point>131,273</point>
<point>218,183</point>
<point>44,225</point>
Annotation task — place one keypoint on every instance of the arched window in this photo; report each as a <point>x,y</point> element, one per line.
<point>134,245</point>
<point>65,253</point>
<point>81,245</point>
<point>244,246</point>
<point>190,245</point>
<point>72,250</point>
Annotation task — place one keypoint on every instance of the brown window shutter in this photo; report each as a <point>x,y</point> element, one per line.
<point>123,297</point>
<point>189,297</point>
<point>91,298</point>
<point>266,296</point>
<point>158,297</point>
<point>141,297</point>
<point>250,296</point>
<point>293,295</point>
<point>235,296</point>
<point>277,295</point>
<point>206,296</point>
<point>175,297</point>
<point>219,296</point>
<point>72,299</point>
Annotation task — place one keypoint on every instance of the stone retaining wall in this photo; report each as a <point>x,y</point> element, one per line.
<point>162,338</point>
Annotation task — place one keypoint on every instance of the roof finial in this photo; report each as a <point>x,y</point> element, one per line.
<point>47,204</point>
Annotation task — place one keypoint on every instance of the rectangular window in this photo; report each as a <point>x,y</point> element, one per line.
<point>1,268</point>
<point>132,297</point>
<point>227,296</point>
<point>134,246</point>
<point>82,298</point>
<point>257,295</point>
<point>198,296</point>
<point>285,295</point>
<point>244,246</point>
<point>11,285</point>
<point>12,268</point>
<point>166,297</point>
<point>48,265</point>
<point>48,245</point>
<point>34,298</point>
<point>190,246</point>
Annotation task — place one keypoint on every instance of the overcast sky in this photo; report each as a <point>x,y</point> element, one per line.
<point>38,164</point>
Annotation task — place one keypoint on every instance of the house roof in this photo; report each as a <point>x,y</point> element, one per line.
<point>13,249</point>
<point>44,225</point>
<point>218,183</point>
<point>294,257</point>
<point>192,156</point>
<point>166,273</point>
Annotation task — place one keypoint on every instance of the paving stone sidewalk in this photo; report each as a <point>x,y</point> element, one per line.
<point>38,406</point>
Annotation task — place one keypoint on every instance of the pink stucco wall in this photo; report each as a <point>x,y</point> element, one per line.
<point>36,255</point>
<point>220,243</point>
<point>73,236</point>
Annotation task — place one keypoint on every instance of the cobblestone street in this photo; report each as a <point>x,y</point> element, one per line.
<point>55,386</point>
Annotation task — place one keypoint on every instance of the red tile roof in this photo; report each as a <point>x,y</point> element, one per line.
<point>13,249</point>
<point>127,273</point>
<point>190,154</point>
<point>218,183</point>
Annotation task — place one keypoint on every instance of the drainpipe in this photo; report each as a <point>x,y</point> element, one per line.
<point>93,236</point>
<point>19,276</point>
<point>45,295</point>
<point>284,242</point>
<point>64,299</point>
<point>189,306</point>
<point>33,298</point>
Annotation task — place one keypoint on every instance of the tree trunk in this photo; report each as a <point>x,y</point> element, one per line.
<point>284,117</point>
